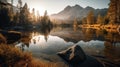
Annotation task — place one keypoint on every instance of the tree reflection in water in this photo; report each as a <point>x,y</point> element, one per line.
<point>112,50</point>
<point>42,37</point>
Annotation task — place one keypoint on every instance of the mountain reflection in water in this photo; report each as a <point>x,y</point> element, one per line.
<point>93,42</point>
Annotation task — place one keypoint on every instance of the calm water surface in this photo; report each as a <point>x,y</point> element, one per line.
<point>45,44</point>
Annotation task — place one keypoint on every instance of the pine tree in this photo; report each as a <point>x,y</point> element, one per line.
<point>114,12</point>
<point>19,4</point>
<point>4,18</point>
<point>90,18</point>
<point>33,15</point>
<point>38,16</point>
<point>100,20</point>
<point>45,21</point>
<point>16,18</point>
<point>75,23</point>
<point>12,5</point>
<point>24,15</point>
<point>84,20</point>
<point>45,17</point>
<point>118,11</point>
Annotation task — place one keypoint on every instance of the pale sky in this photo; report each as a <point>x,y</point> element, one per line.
<point>55,6</point>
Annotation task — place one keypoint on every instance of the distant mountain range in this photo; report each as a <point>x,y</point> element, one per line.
<point>72,12</point>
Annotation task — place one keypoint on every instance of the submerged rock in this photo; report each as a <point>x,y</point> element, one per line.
<point>10,36</point>
<point>73,55</point>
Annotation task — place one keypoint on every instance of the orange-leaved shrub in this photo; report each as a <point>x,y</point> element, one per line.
<point>11,56</point>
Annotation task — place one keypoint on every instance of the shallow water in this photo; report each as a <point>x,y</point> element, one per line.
<point>45,45</point>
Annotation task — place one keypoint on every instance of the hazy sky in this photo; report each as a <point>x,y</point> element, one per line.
<point>55,6</point>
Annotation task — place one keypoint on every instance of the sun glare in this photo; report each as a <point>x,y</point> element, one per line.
<point>39,9</point>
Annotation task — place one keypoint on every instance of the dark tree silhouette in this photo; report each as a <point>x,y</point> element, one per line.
<point>24,16</point>
<point>21,17</point>
<point>19,5</point>
<point>4,18</point>
<point>33,15</point>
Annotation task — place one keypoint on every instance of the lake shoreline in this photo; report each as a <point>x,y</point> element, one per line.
<point>69,35</point>
<point>99,27</point>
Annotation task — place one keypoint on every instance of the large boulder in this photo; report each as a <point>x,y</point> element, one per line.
<point>73,55</point>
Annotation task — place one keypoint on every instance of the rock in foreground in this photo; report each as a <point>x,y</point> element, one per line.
<point>75,57</point>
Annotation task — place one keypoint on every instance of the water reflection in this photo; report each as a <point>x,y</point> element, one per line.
<point>52,45</point>
<point>112,50</point>
<point>45,44</point>
<point>93,47</point>
<point>41,48</point>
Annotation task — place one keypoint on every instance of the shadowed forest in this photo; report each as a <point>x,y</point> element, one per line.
<point>74,37</point>
<point>22,17</point>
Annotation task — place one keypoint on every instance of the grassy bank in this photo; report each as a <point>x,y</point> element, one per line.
<point>13,57</point>
<point>2,39</point>
<point>108,27</point>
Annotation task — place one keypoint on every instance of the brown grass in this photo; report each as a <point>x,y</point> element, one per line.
<point>39,63</point>
<point>2,39</point>
<point>9,56</point>
<point>13,57</point>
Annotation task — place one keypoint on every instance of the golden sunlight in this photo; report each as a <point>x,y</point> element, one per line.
<point>38,9</point>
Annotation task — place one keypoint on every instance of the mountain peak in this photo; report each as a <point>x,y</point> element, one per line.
<point>71,12</point>
<point>77,6</point>
<point>68,7</point>
<point>88,7</point>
